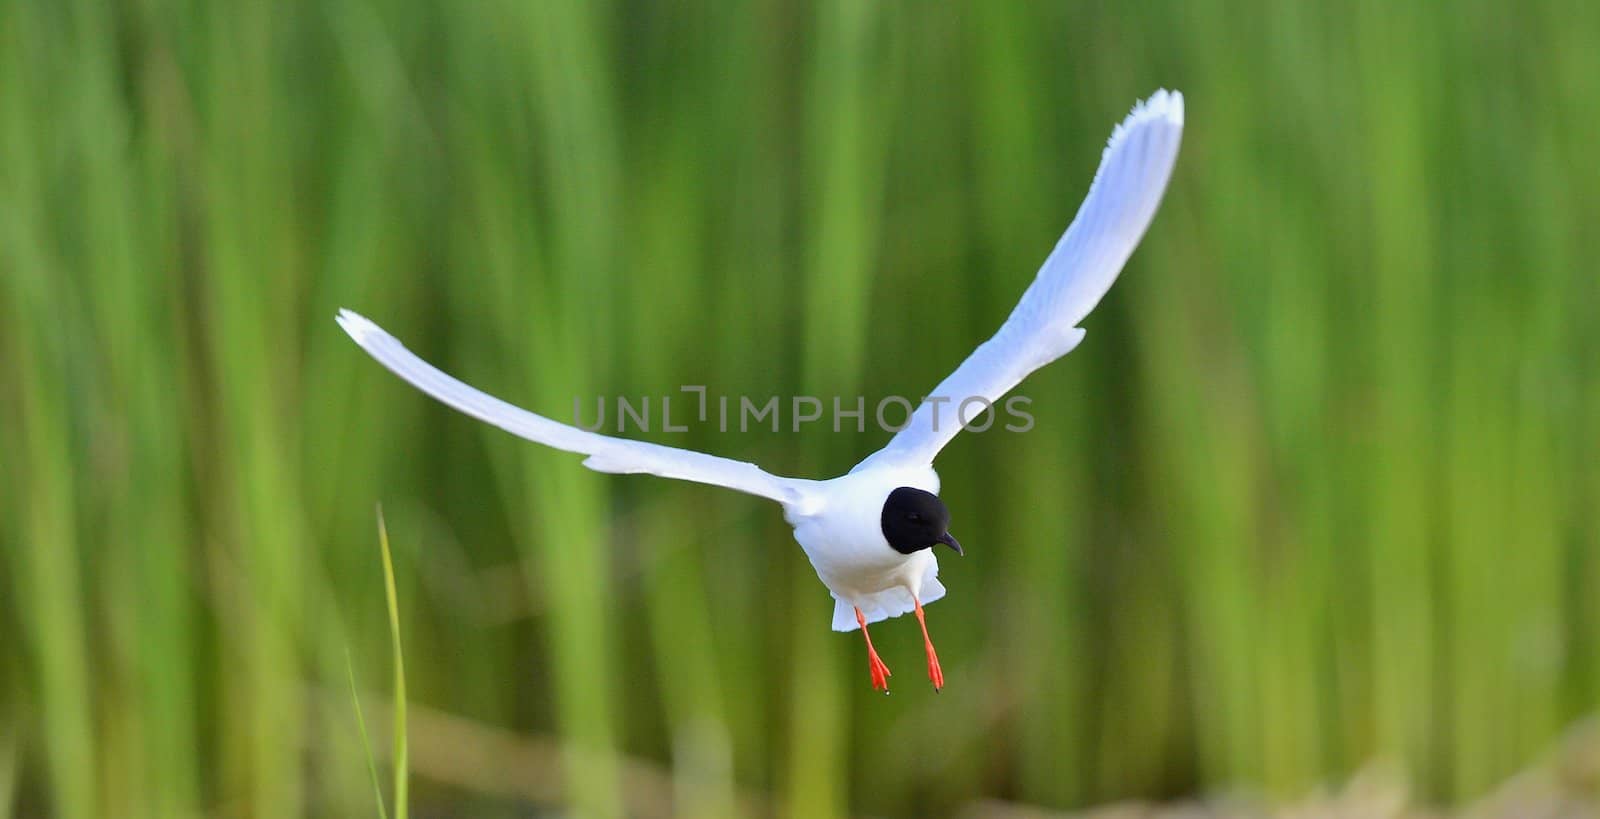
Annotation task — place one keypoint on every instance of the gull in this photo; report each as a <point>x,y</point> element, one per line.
<point>870,533</point>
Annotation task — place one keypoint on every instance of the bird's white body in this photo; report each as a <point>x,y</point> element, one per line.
<point>841,534</point>
<point>839,522</point>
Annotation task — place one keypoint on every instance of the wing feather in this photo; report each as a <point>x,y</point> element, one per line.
<point>1122,200</point>
<point>606,454</point>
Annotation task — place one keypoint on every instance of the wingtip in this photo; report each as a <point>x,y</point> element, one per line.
<point>1172,105</point>
<point>355,324</point>
<point>1163,104</point>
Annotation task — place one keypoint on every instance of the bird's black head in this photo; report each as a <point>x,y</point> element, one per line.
<point>914,520</point>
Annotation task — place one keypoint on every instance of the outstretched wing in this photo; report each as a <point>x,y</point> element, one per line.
<point>606,454</point>
<point>1122,200</point>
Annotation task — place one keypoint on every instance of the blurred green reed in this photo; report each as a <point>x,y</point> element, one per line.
<point>399,753</point>
<point>1319,489</point>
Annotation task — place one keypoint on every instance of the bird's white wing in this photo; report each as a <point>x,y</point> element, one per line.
<point>606,454</point>
<point>1044,326</point>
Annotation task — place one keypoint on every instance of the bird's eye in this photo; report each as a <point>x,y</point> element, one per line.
<point>913,516</point>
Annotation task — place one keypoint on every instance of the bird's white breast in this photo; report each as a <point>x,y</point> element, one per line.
<point>843,533</point>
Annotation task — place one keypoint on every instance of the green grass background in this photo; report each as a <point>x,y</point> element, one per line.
<point>1320,487</point>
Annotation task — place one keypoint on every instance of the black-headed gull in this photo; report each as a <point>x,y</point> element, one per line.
<point>870,533</point>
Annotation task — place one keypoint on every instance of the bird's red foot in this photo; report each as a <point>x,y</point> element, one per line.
<point>935,673</point>
<point>880,672</point>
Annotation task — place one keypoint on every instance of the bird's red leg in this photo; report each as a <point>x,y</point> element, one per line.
<point>935,673</point>
<point>880,672</point>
